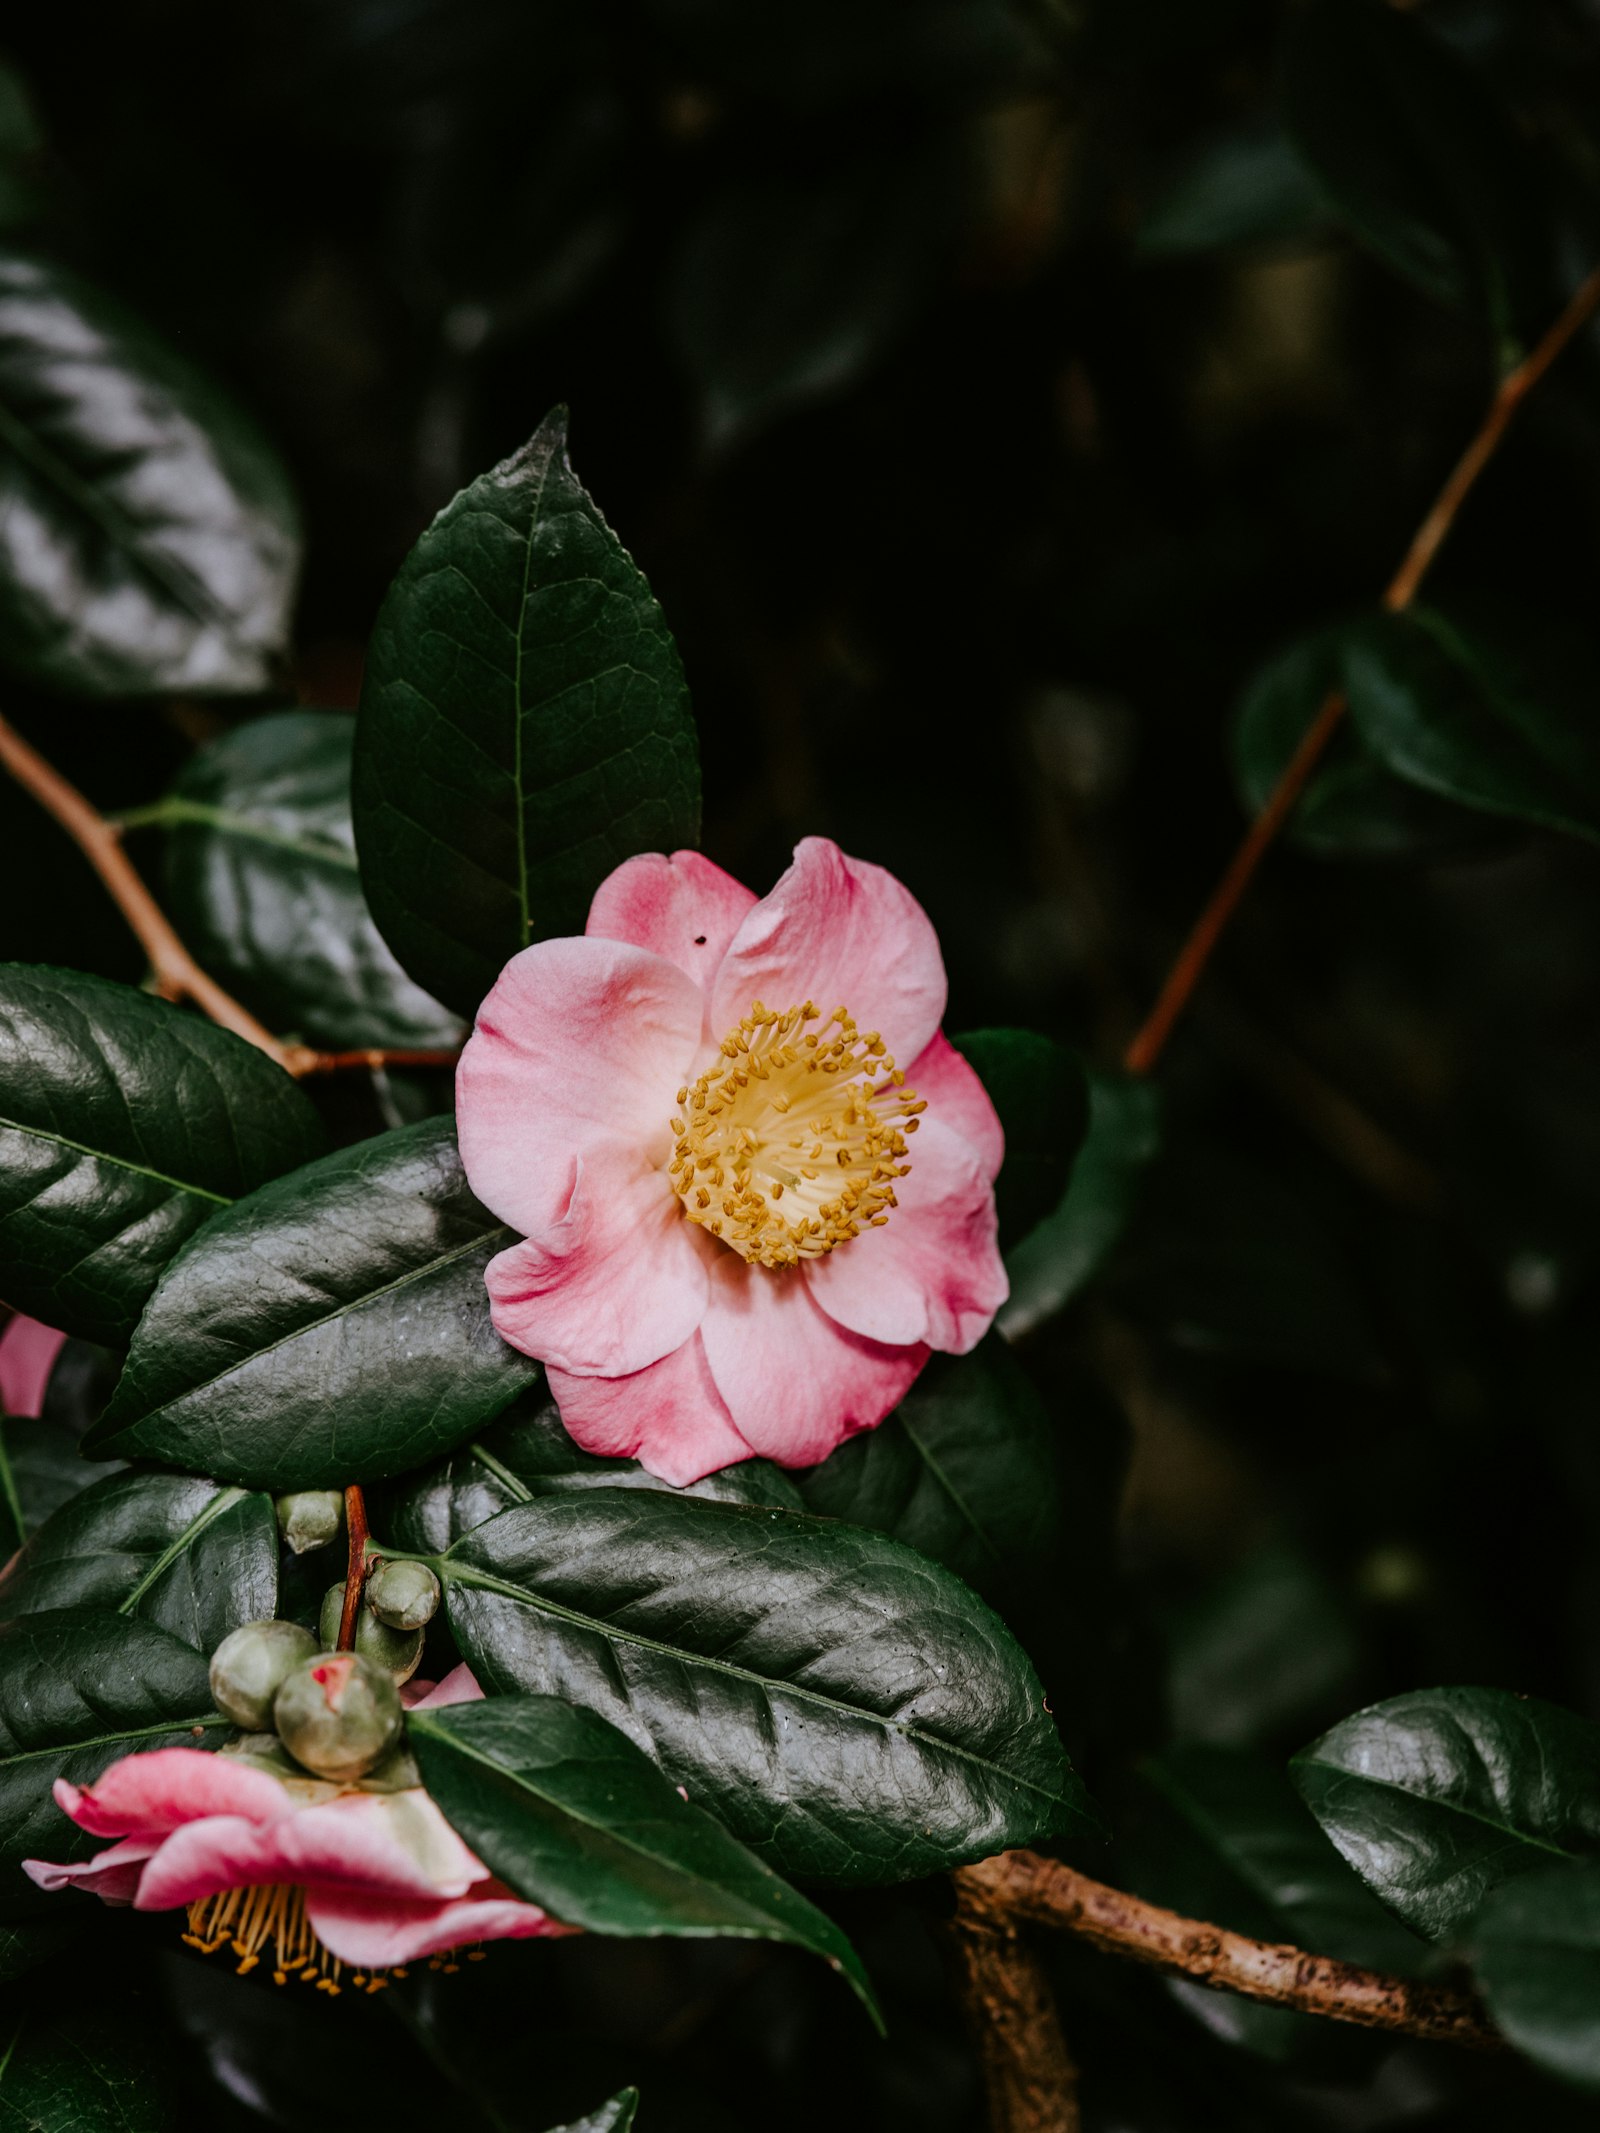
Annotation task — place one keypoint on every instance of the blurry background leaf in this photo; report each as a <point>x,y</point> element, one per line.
<point>150,542</point>
<point>124,1125</point>
<point>613,2117</point>
<point>1535,1948</point>
<point>524,726</point>
<point>1437,1797</point>
<point>264,886</point>
<point>1419,156</point>
<point>1263,1650</point>
<point>1041,1093</point>
<point>21,139</point>
<point>1353,804</point>
<point>1247,186</point>
<point>1069,1246</point>
<point>1507,726</point>
<point>80,2070</point>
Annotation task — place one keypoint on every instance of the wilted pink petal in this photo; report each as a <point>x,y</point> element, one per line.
<point>375,1935</point>
<point>28,1354</point>
<point>148,1795</point>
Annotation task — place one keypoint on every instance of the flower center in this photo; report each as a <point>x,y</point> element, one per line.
<point>247,1920</point>
<point>792,1142</point>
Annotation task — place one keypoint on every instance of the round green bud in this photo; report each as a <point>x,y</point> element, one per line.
<point>338,1714</point>
<point>397,1651</point>
<point>405,1595</point>
<point>310,1518</point>
<point>248,1668</point>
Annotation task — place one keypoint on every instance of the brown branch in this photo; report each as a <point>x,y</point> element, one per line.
<point>356,1565</point>
<point>177,975</point>
<point>1028,2074</point>
<point>1186,972</point>
<point>1019,1886</point>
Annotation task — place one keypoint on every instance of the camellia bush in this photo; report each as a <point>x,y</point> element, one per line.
<point>734,1476</point>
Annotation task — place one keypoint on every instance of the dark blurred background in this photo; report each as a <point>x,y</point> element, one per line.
<point>989,393</point>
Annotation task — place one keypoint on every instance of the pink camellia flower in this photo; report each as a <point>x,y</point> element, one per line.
<point>28,1354</point>
<point>700,1118</point>
<point>319,1876</point>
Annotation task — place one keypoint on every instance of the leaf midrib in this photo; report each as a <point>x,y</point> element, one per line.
<point>485,1581</point>
<point>207,1721</point>
<point>1467,1814</point>
<point>224,1500</point>
<point>176,811</point>
<point>121,1162</point>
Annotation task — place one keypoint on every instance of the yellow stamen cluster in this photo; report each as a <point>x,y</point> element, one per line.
<point>247,1920</point>
<point>792,1142</point>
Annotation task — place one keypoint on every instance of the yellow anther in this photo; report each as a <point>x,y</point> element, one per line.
<point>786,1109</point>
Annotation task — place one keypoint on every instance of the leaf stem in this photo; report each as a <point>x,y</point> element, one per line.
<point>1017,1887</point>
<point>356,1564</point>
<point>176,974</point>
<point>1150,1040</point>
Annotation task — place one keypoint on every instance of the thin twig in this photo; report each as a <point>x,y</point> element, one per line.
<point>1150,1041</point>
<point>355,1576</point>
<point>1022,1886</point>
<point>1028,2074</point>
<point>175,973</point>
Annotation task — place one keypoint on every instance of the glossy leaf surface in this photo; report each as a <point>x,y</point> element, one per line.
<point>124,1125</point>
<point>524,726</point>
<point>333,1328</point>
<point>568,1812</point>
<point>1536,1959</point>
<point>1437,1797</point>
<point>842,1705</point>
<point>148,539</point>
<point>173,1549</point>
<point>264,887</point>
<point>78,1688</point>
<point>1040,1091</point>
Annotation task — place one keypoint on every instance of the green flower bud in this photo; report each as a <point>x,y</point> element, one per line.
<point>397,1772</point>
<point>405,1595</point>
<point>397,1651</point>
<point>248,1667</point>
<point>310,1518</point>
<point>338,1714</point>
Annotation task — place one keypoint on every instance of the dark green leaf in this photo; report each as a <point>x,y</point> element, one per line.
<point>40,1470</point>
<point>1536,1958</point>
<point>173,1549</point>
<point>1265,1649</point>
<point>1250,186</point>
<point>261,870</point>
<point>148,539</point>
<point>964,1470</point>
<point>575,1818</point>
<point>1041,1092</point>
<point>21,151</point>
<point>1068,1248</point>
<point>1438,1796</point>
<point>842,1705</point>
<point>1418,156</point>
<point>78,1689</point>
<point>524,726</point>
<point>527,1453</point>
<point>1223,1837</point>
<point>332,1328</point>
<point>85,2071</point>
<point>30,1942</point>
<point>1457,713</point>
<point>1353,804</point>
<point>786,288</point>
<point>124,1125</point>
<point>614,2117</point>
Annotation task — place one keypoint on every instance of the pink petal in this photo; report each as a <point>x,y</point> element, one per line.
<point>933,1273</point>
<point>349,1842</point>
<point>149,1795</point>
<point>670,1417</point>
<point>682,907</point>
<point>796,1383</point>
<point>843,933</point>
<point>582,1044</point>
<point>460,1685</point>
<point>611,1284</point>
<point>28,1354</point>
<point>958,1099</point>
<point>112,1875</point>
<point>372,1932</point>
